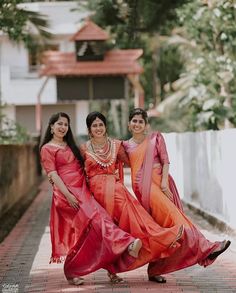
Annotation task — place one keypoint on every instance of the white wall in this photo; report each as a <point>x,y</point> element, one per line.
<point>203,166</point>
<point>25,91</point>
<point>82,110</point>
<point>12,54</point>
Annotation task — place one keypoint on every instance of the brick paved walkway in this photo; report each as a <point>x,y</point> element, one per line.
<point>25,253</point>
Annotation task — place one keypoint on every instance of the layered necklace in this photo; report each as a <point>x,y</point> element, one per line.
<point>104,154</point>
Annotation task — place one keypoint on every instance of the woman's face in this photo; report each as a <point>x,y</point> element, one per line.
<point>98,128</point>
<point>137,124</point>
<point>60,127</point>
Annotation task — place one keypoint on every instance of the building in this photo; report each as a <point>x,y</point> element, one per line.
<point>76,69</point>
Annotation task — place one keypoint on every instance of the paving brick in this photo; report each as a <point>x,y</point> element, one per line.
<point>25,253</point>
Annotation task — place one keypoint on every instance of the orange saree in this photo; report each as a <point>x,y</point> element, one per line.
<point>146,182</point>
<point>108,189</point>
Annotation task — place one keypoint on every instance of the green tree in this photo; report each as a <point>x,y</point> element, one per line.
<point>20,24</point>
<point>131,18</point>
<point>169,67</point>
<point>210,27</point>
<point>137,24</point>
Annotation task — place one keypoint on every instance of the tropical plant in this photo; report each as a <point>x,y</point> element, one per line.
<point>12,133</point>
<point>207,41</point>
<point>20,24</point>
<point>137,24</point>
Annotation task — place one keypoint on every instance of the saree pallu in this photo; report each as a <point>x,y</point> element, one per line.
<point>127,213</point>
<point>86,238</point>
<point>195,248</point>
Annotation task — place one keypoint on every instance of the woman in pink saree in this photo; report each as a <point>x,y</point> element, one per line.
<point>156,191</point>
<point>81,231</point>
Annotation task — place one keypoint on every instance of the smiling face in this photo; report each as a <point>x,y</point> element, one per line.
<point>97,129</point>
<point>137,124</point>
<point>60,128</point>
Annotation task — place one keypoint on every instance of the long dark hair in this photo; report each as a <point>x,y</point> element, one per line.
<point>92,116</point>
<point>138,111</point>
<point>68,138</point>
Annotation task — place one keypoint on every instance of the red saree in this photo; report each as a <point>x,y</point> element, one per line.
<point>87,238</point>
<point>108,189</point>
<point>146,182</point>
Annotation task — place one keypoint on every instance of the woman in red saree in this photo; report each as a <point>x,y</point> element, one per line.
<point>101,158</point>
<point>81,230</point>
<point>156,191</point>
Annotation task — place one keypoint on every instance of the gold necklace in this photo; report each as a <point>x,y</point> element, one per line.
<point>107,157</point>
<point>97,145</point>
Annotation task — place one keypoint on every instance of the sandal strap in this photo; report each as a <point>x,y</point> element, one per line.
<point>114,278</point>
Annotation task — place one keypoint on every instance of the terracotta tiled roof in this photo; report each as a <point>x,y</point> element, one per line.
<point>90,32</point>
<point>116,62</point>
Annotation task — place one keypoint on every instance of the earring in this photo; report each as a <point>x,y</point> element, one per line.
<point>129,128</point>
<point>52,131</point>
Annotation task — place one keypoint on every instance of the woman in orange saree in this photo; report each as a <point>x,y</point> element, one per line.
<point>81,231</point>
<point>102,156</point>
<point>156,191</point>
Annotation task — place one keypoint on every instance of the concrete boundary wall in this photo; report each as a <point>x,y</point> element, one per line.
<point>18,174</point>
<point>203,166</point>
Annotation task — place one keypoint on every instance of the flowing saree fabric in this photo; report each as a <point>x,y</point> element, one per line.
<point>194,246</point>
<point>127,213</point>
<point>155,152</point>
<point>87,237</point>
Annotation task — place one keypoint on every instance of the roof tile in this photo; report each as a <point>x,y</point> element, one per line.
<point>90,32</point>
<point>116,62</point>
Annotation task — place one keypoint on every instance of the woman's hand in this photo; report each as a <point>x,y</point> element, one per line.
<point>73,201</point>
<point>56,180</point>
<point>164,185</point>
<point>165,189</point>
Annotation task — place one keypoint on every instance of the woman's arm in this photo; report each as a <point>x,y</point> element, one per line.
<point>164,179</point>
<point>48,160</point>
<point>56,179</point>
<point>123,156</point>
<point>165,182</point>
<point>161,147</point>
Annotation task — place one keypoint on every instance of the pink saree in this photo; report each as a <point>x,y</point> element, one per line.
<point>146,182</point>
<point>86,238</point>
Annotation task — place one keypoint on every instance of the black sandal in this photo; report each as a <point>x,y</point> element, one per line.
<point>157,279</point>
<point>225,245</point>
